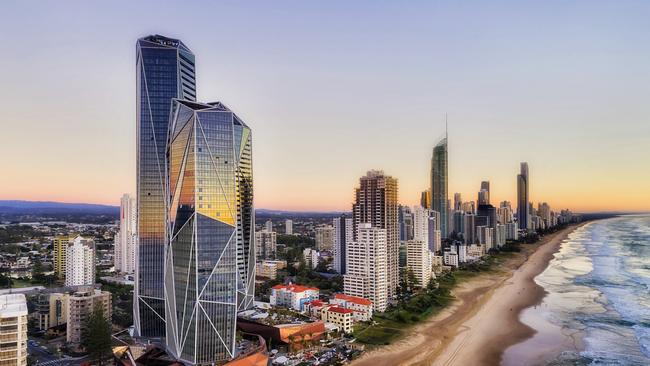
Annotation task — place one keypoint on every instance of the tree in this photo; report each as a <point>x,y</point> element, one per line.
<point>96,336</point>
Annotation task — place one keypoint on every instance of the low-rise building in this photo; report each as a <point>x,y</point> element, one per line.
<point>80,306</point>
<point>451,258</point>
<point>362,307</point>
<point>339,316</point>
<point>293,296</point>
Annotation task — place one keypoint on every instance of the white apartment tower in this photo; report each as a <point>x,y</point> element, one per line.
<point>126,237</point>
<point>288,227</point>
<point>367,266</point>
<point>418,260</point>
<point>80,262</point>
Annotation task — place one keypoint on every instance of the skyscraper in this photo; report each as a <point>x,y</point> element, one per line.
<point>210,262</point>
<point>484,193</point>
<point>458,202</point>
<point>164,70</point>
<point>376,204</point>
<point>126,238</point>
<point>439,184</point>
<point>343,234</point>
<point>288,227</point>
<point>523,213</point>
<point>425,199</point>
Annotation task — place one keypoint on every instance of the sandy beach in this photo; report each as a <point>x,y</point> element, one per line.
<point>483,321</point>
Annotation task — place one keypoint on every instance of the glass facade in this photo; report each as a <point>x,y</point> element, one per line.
<point>210,261</point>
<point>523,208</point>
<point>164,71</point>
<point>439,183</point>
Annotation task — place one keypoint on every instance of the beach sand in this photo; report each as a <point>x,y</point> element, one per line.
<point>483,321</point>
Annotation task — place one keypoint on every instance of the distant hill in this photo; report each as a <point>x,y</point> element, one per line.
<point>46,207</point>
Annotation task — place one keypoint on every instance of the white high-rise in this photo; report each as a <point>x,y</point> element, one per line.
<point>367,264</point>
<point>126,237</point>
<point>288,227</point>
<point>80,262</point>
<point>418,260</point>
<point>268,225</point>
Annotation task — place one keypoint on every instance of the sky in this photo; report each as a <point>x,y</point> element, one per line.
<point>333,89</point>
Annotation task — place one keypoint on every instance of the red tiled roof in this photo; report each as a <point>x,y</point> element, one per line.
<point>315,303</point>
<point>353,299</point>
<point>294,288</point>
<point>338,309</point>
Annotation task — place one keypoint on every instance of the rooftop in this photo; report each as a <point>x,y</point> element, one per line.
<point>12,305</point>
<point>295,288</point>
<point>353,299</point>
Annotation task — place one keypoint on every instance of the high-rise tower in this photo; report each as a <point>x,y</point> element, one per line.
<point>126,237</point>
<point>210,261</point>
<point>523,210</point>
<point>164,70</point>
<point>439,184</point>
<point>376,204</point>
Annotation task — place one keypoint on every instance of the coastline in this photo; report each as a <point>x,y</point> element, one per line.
<point>484,320</point>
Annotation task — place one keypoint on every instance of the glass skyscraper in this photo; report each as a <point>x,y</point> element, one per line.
<point>439,185</point>
<point>210,261</point>
<point>523,208</point>
<point>164,70</point>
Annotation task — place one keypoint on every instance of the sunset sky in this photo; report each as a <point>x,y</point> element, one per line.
<point>332,90</point>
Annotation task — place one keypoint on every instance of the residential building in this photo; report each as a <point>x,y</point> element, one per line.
<point>469,234</point>
<point>439,184</point>
<point>339,316</point>
<point>523,200</point>
<point>293,296</point>
<point>367,274</point>
<point>164,70</point>
<point>405,223</point>
<point>266,244</point>
<point>450,258</point>
<point>485,236</point>
<point>310,256</point>
<point>288,227</point>
<point>343,234</point>
<point>325,237</point>
<point>269,269</point>
<point>268,226</point>
<point>126,237</point>
<point>376,204</point>
<point>420,224</point>
<point>80,262</point>
<point>51,310</point>
<point>13,323</point>
<point>59,252</point>
<point>418,260</point>
<point>512,231</point>
<point>80,305</point>
<point>362,307</point>
<point>458,202</point>
<point>210,268</point>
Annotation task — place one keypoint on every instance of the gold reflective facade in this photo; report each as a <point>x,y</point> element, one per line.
<point>209,268</point>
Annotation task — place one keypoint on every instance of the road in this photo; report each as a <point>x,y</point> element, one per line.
<point>45,358</point>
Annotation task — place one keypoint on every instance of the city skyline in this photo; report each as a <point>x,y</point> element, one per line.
<point>581,110</point>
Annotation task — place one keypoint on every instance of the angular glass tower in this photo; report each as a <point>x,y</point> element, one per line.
<point>439,184</point>
<point>210,261</point>
<point>164,70</point>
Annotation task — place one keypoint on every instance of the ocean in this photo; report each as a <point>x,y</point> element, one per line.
<point>597,307</point>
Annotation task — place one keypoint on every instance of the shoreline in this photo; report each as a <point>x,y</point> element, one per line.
<point>478,327</point>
